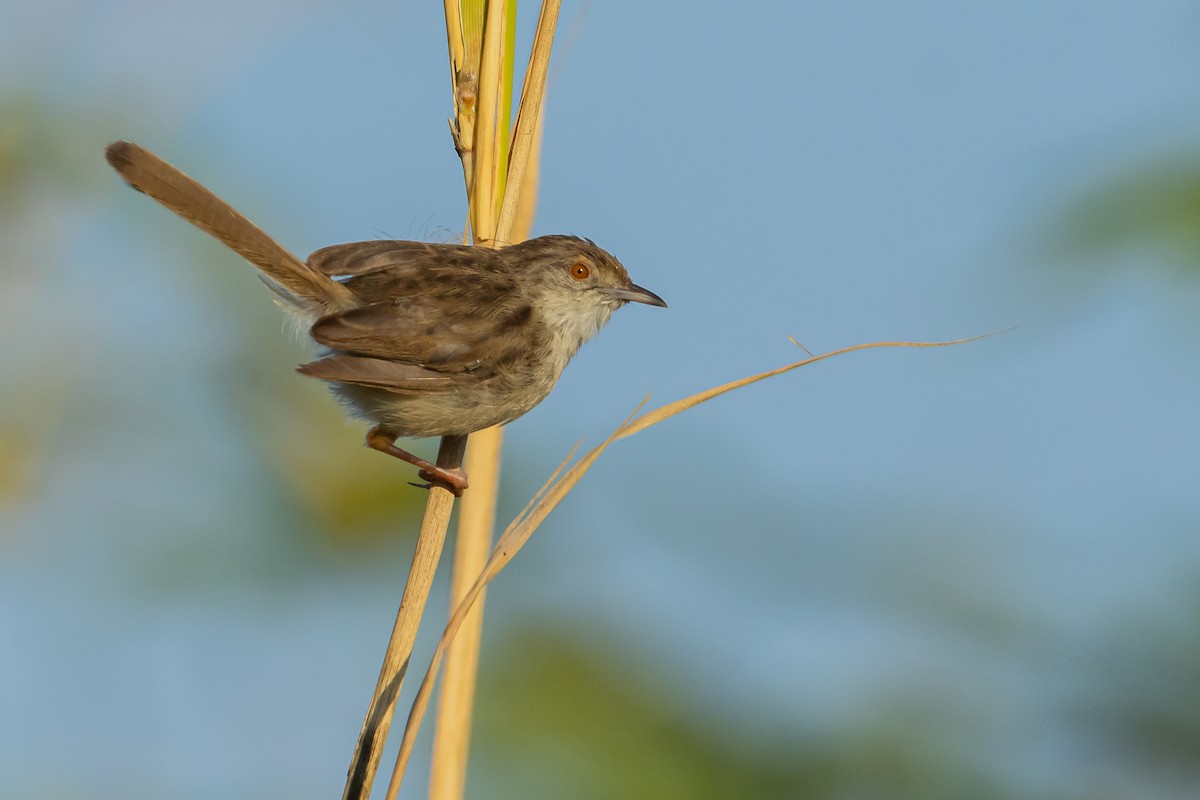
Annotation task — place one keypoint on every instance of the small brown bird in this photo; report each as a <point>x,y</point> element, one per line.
<point>421,339</point>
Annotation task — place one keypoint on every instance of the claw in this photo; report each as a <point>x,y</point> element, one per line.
<point>455,480</point>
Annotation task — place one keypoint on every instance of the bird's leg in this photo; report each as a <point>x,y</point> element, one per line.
<point>381,439</point>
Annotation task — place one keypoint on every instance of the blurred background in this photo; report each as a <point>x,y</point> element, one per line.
<point>964,572</point>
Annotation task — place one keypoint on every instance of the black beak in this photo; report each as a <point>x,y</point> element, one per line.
<point>637,294</point>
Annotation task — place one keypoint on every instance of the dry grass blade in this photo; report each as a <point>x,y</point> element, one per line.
<point>426,554</point>
<point>528,113</point>
<point>526,187</point>
<point>486,181</point>
<point>464,38</point>
<point>454,38</point>
<point>511,541</point>
<point>671,409</point>
<point>456,700</point>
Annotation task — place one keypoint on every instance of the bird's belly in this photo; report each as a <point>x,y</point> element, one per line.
<point>449,412</point>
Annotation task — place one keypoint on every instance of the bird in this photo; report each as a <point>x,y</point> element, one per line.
<point>420,339</point>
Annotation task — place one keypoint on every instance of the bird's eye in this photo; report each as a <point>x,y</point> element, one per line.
<point>580,272</point>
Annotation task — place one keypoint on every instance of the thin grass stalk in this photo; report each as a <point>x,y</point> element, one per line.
<point>426,554</point>
<point>454,39</point>
<point>671,409</point>
<point>456,700</point>
<point>529,114</point>
<point>485,185</point>
<point>464,34</point>
<point>465,88</point>
<point>513,538</point>
<point>527,197</point>
<point>504,111</point>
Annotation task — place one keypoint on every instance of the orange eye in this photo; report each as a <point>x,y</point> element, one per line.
<point>580,272</point>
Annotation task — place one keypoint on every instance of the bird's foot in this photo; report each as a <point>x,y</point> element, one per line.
<point>451,479</point>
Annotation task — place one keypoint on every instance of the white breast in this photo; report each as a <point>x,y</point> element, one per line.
<point>571,325</point>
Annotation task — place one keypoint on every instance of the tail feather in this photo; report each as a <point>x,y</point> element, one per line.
<point>149,174</point>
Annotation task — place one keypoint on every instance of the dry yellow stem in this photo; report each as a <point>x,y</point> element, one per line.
<point>527,198</point>
<point>476,519</point>
<point>671,409</point>
<point>426,554</point>
<point>485,183</point>
<point>513,538</point>
<point>454,38</point>
<point>529,113</point>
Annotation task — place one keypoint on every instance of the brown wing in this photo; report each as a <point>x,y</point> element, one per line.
<point>444,308</point>
<point>381,271</point>
<point>423,332</point>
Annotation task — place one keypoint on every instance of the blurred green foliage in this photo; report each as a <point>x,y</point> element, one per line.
<point>1145,702</point>
<point>40,148</point>
<point>1156,205</point>
<point>561,718</point>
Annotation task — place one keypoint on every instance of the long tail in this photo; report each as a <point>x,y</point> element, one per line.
<point>149,174</point>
